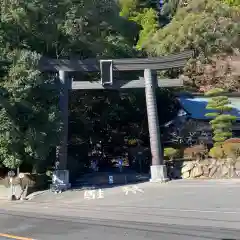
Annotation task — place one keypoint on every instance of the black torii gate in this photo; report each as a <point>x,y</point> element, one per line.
<point>106,68</point>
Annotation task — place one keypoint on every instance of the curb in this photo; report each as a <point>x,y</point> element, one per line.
<point>35,194</point>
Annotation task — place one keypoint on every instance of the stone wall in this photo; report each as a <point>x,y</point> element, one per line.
<point>208,168</point>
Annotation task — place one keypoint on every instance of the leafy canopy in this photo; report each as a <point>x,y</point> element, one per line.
<point>29,115</point>
<point>212,29</point>
<point>144,15</point>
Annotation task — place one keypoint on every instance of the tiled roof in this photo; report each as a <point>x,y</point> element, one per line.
<point>196,106</point>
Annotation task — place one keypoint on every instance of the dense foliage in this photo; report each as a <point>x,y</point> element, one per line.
<point>143,15</point>
<point>212,29</point>
<point>30,121</point>
<point>29,117</point>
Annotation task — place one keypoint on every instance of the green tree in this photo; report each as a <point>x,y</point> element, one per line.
<point>141,13</point>
<point>232,2</point>
<point>211,28</point>
<point>29,114</point>
<point>223,121</point>
<point>85,28</point>
<point>30,120</point>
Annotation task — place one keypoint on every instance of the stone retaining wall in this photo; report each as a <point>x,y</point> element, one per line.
<point>208,168</point>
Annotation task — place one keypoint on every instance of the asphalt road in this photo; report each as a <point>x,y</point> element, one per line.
<point>178,210</point>
<point>29,226</point>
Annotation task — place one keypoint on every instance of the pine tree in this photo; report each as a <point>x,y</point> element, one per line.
<point>223,121</point>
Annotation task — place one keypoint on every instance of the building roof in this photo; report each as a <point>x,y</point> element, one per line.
<point>196,106</point>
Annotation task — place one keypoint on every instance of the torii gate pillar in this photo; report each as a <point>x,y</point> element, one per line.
<point>158,169</point>
<point>61,175</point>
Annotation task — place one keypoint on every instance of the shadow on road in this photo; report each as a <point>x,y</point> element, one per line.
<point>105,180</point>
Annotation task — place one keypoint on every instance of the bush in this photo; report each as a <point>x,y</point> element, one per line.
<point>171,153</point>
<point>217,152</point>
<point>232,150</point>
<point>195,152</point>
<point>232,140</point>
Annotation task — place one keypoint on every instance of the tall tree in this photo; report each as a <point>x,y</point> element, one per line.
<point>30,123</point>
<point>212,29</point>
<point>30,120</point>
<point>144,15</point>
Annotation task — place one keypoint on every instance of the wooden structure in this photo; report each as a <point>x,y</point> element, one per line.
<point>106,68</point>
<point>192,119</point>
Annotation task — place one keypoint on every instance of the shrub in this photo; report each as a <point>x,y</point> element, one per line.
<point>232,150</point>
<point>171,153</point>
<point>232,140</point>
<point>195,152</point>
<point>217,152</point>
